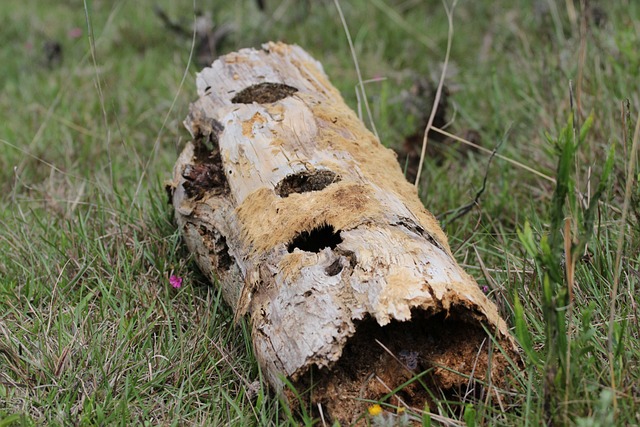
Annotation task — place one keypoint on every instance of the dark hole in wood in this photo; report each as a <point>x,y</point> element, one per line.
<point>263,93</point>
<point>218,248</point>
<point>334,268</point>
<point>206,174</point>
<point>306,181</point>
<point>224,259</point>
<point>206,131</point>
<point>222,251</point>
<point>443,350</point>
<point>316,240</point>
<point>350,255</point>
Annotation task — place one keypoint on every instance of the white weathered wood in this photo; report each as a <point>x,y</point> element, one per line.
<point>389,260</point>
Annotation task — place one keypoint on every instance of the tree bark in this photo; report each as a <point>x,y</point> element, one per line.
<point>310,228</point>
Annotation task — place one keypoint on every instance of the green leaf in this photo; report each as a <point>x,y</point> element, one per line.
<point>602,186</point>
<point>526,238</point>
<point>14,419</point>
<point>584,129</point>
<point>470,415</point>
<point>426,418</point>
<point>523,334</point>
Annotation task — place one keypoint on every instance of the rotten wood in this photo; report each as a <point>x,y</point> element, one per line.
<point>309,226</point>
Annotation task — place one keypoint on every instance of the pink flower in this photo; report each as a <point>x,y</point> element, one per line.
<point>176,281</point>
<point>75,33</point>
<point>485,289</point>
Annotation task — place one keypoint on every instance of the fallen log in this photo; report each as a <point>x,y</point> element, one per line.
<point>309,226</point>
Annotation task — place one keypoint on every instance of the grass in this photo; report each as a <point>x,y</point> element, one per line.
<point>91,332</point>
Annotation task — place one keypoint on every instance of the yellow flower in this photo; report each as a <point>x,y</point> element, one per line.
<point>375,410</point>
<point>400,410</point>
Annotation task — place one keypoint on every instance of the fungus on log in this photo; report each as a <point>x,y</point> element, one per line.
<point>308,224</point>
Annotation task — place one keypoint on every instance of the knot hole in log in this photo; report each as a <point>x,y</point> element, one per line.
<point>263,93</point>
<point>306,181</point>
<point>206,174</point>
<point>218,250</point>
<point>316,240</point>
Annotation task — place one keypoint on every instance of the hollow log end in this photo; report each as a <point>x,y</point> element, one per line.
<point>404,363</point>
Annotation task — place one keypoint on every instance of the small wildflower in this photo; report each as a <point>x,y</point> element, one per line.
<point>485,289</point>
<point>74,33</point>
<point>375,410</point>
<point>176,281</point>
<point>400,410</point>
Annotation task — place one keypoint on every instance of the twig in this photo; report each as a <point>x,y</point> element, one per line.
<point>466,208</point>
<point>514,162</point>
<point>324,423</point>
<point>486,150</point>
<point>173,26</point>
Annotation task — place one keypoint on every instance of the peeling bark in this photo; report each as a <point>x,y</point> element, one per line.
<point>308,224</point>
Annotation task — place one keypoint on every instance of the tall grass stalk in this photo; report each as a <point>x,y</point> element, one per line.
<point>436,99</point>
<point>571,226</point>
<point>361,92</point>
<point>617,273</point>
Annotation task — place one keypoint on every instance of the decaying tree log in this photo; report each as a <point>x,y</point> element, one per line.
<point>308,224</point>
